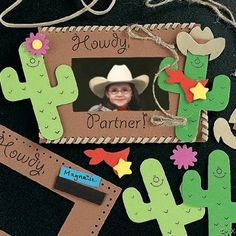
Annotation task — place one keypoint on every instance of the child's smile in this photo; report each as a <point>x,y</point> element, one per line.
<point>120,94</point>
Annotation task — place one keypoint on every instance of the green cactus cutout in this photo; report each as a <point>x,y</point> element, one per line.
<point>195,69</point>
<point>162,207</point>
<point>221,210</point>
<point>44,98</point>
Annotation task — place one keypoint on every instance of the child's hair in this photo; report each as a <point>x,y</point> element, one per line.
<point>134,104</point>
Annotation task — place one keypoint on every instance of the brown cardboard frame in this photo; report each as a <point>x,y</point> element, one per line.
<point>43,166</point>
<point>75,125</point>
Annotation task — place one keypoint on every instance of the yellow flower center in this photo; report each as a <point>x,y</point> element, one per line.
<point>37,44</point>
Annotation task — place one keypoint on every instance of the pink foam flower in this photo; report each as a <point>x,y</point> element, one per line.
<point>183,157</point>
<point>37,44</point>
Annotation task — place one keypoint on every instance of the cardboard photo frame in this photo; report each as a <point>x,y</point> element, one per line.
<point>43,166</point>
<point>96,43</point>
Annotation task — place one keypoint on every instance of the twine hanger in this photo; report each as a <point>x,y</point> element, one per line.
<point>87,7</point>
<point>134,31</point>
<point>220,10</point>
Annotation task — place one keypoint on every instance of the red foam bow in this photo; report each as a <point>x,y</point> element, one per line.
<point>111,158</point>
<point>177,76</point>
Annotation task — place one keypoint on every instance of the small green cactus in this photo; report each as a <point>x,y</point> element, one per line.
<point>162,207</point>
<point>216,100</point>
<point>44,98</point>
<point>221,210</point>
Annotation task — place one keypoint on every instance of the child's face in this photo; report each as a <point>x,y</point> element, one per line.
<point>119,94</point>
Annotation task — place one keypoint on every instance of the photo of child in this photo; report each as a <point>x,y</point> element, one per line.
<point>117,84</point>
<point>119,91</point>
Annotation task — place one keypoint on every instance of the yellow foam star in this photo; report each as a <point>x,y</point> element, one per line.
<point>123,168</point>
<point>199,91</point>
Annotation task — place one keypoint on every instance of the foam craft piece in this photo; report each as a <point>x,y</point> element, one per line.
<point>37,44</point>
<point>37,88</point>
<point>111,158</point>
<point>199,91</point>
<point>79,177</point>
<point>195,69</point>
<point>217,198</point>
<point>183,156</point>
<point>222,130</point>
<point>192,111</point>
<point>42,166</point>
<point>233,117</point>
<point>117,160</point>
<point>200,42</point>
<point>123,168</point>
<point>2,233</point>
<point>177,76</point>
<point>162,207</point>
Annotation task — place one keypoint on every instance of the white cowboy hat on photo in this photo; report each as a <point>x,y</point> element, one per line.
<point>118,74</point>
<point>200,42</point>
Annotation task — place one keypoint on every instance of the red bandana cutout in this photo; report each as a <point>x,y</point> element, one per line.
<point>177,76</point>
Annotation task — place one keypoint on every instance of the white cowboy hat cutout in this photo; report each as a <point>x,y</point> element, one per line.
<point>200,42</point>
<point>118,74</point>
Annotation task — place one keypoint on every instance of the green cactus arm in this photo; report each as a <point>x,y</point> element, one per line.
<point>192,112</point>
<point>156,182</point>
<point>189,214</point>
<point>232,212</point>
<point>189,132</point>
<point>162,207</point>
<point>218,97</point>
<point>219,181</point>
<point>179,216</point>
<point>49,121</point>
<point>174,88</point>
<point>66,90</point>
<point>137,210</point>
<point>216,226</point>
<point>168,230</point>
<point>191,190</point>
<point>12,88</point>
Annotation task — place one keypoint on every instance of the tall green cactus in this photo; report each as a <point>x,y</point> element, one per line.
<point>216,100</point>
<point>221,210</point>
<point>44,98</point>
<point>162,207</point>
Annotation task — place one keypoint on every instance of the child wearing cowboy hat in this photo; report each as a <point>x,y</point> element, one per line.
<point>119,91</point>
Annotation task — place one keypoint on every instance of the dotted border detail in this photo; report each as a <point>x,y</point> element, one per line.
<point>107,203</point>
